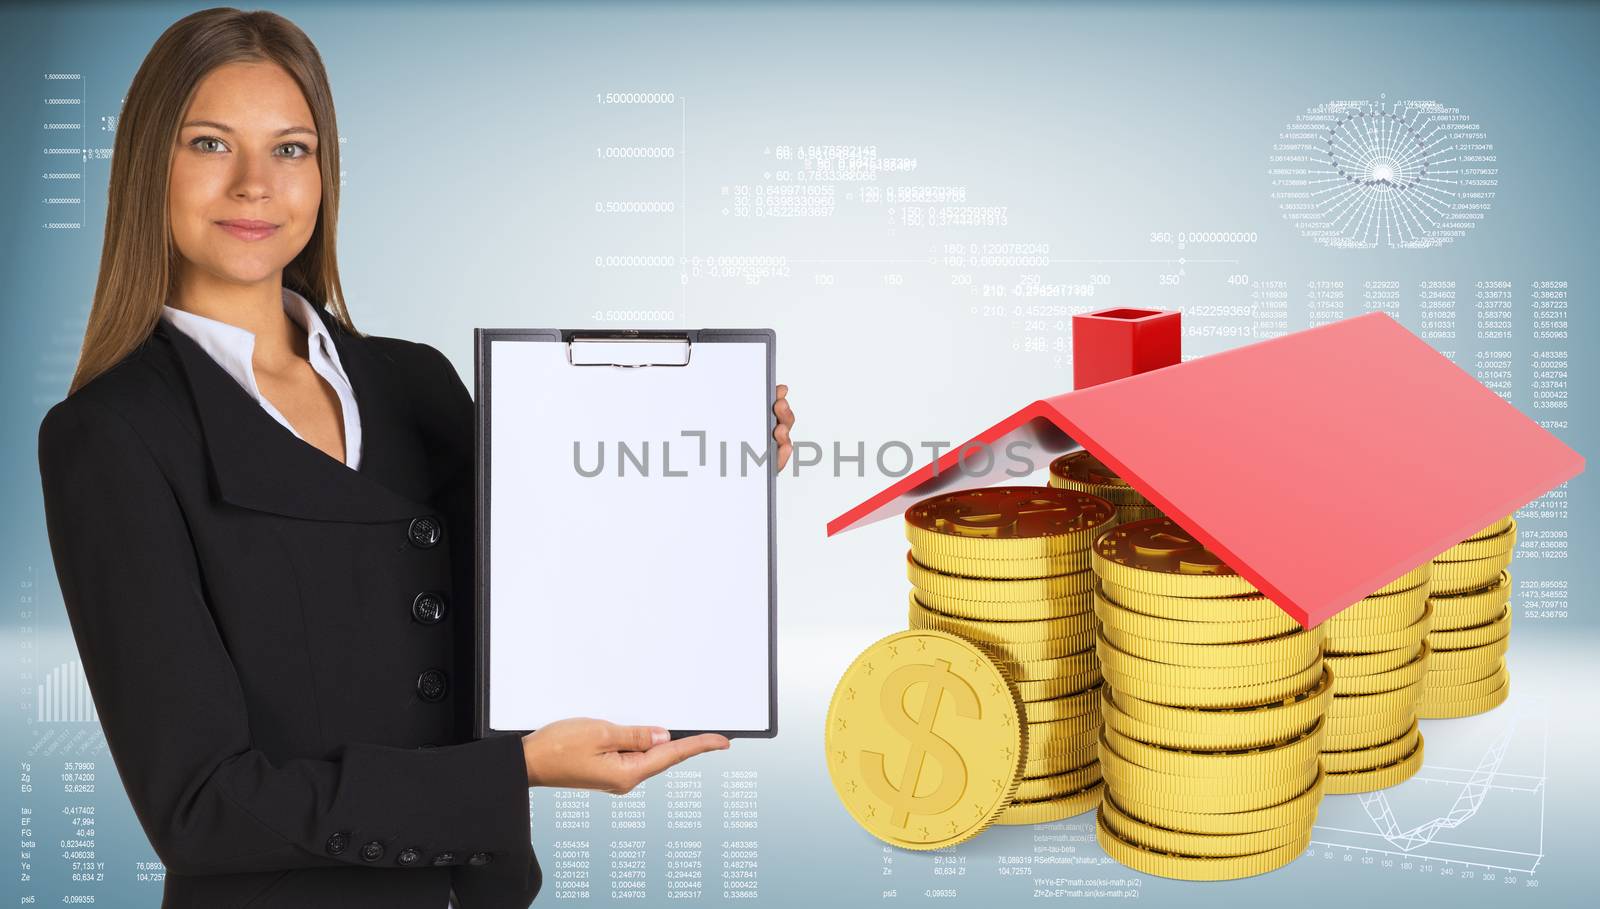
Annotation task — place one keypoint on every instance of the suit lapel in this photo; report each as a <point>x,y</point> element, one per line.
<point>260,464</point>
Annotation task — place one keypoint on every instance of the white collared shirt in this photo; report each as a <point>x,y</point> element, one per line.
<point>233,348</point>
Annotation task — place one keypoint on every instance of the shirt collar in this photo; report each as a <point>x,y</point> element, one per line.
<point>234,347</point>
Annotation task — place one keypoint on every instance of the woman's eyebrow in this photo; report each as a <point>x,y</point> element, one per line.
<point>228,129</point>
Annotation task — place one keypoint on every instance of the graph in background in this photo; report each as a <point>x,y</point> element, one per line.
<point>63,696</point>
<point>1478,801</point>
<point>1400,174</point>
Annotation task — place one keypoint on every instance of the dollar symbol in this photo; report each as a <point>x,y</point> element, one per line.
<point>903,799</point>
<point>1176,544</point>
<point>1003,518</point>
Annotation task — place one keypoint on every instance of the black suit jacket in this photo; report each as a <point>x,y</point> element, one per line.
<point>291,721</point>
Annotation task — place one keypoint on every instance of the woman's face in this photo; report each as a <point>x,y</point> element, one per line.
<point>245,185</point>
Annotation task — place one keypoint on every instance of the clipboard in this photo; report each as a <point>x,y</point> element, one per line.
<point>625,548</point>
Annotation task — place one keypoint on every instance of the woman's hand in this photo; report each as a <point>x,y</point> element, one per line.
<point>780,433</point>
<point>584,753</point>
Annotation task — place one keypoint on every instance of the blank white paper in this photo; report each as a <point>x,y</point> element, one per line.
<point>635,599</point>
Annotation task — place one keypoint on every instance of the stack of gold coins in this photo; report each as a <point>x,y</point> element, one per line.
<point>1215,707</point>
<point>1007,568</point>
<point>1471,602</point>
<point>1378,652</point>
<point>1084,472</point>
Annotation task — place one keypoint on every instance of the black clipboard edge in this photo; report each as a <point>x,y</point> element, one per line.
<point>483,339</point>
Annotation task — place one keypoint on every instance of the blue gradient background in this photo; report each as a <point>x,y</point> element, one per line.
<point>469,149</point>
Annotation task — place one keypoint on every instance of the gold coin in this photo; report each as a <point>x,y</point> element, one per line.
<point>1043,811</point>
<point>1460,577</point>
<point>1294,649</point>
<point>1051,737</point>
<point>1071,683</point>
<point>1348,664</point>
<point>1123,770</point>
<point>1271,721</point>
<point>1006,611</point>
<point>1061,762</point>
<point>1161,673</point>
<point>1381,703</point>
<point>1062,708</point>
<point>1084,472</point>
<point>1382,608</point>
<point>925,739</point>
<point>1378,777</point>
<point>1127,514</point>
<point>1240,608</point>
<point>1157,556</point>
<point>1197,868</point>
<point>1357,621</point>
<point>1149,836</point>
<point>1493,529</point>
<point>1190,739</point>
<point>998,590</point>
<point>1410,579</point>
<point>1136,783</point>
<point>1045,689</point>
<point>1268,761</point>
<point>1058,784</point>
<point>1447,677</point>
<point>1475,635</point>
<point>1035,651</point>
<point>1402,677</point>
<point>1182,631</point>
<point>1062,754</point>
<point>1189,696</point>
<point>1300,807</point>
<point>1482,547</point>
<point>1445,710</point>
<point>1409,636</point>
<point>1444,660</point>
<point>1013,569</point>
<point>1463,610</point>
<point>1034,670</point>
<point>1010,633</point>
<point>1470,691</point>
<point>1006,522</point>
<point>1378,755</point>
<point>1355,733</point>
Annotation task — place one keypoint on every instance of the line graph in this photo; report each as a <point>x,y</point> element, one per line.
<point>1489,814</point>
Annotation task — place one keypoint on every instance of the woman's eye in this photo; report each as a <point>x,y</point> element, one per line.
<point>199,139</point>
<point>304,149</point>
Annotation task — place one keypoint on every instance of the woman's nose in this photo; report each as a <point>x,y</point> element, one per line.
<point>251,179</point>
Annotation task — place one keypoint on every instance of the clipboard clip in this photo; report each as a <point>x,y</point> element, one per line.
<point>626,350</point>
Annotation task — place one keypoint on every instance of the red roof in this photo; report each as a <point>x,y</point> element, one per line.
<point>1321,465</point>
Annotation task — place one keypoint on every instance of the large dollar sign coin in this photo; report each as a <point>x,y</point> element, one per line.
<point>1157,556</point>
<point>1006,522</point>
<point>926,739</point>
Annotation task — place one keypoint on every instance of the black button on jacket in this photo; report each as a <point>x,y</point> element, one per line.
<point>244,608</point>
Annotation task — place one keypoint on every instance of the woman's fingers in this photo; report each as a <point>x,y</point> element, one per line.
<point>649,763</point>
<point>635,738</point>
<point>780,433</point>
<point>781,408</point>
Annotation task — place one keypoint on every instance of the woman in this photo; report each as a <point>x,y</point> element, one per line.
<point>261,521</point>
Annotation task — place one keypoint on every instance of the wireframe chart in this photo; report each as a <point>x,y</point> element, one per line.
<point>1477,803</point>
<point>1400,174</point>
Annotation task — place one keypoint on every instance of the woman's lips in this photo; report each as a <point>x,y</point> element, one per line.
<point>246,229</point>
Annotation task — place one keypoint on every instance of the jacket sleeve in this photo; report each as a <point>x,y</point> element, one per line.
<point>174,713</point>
